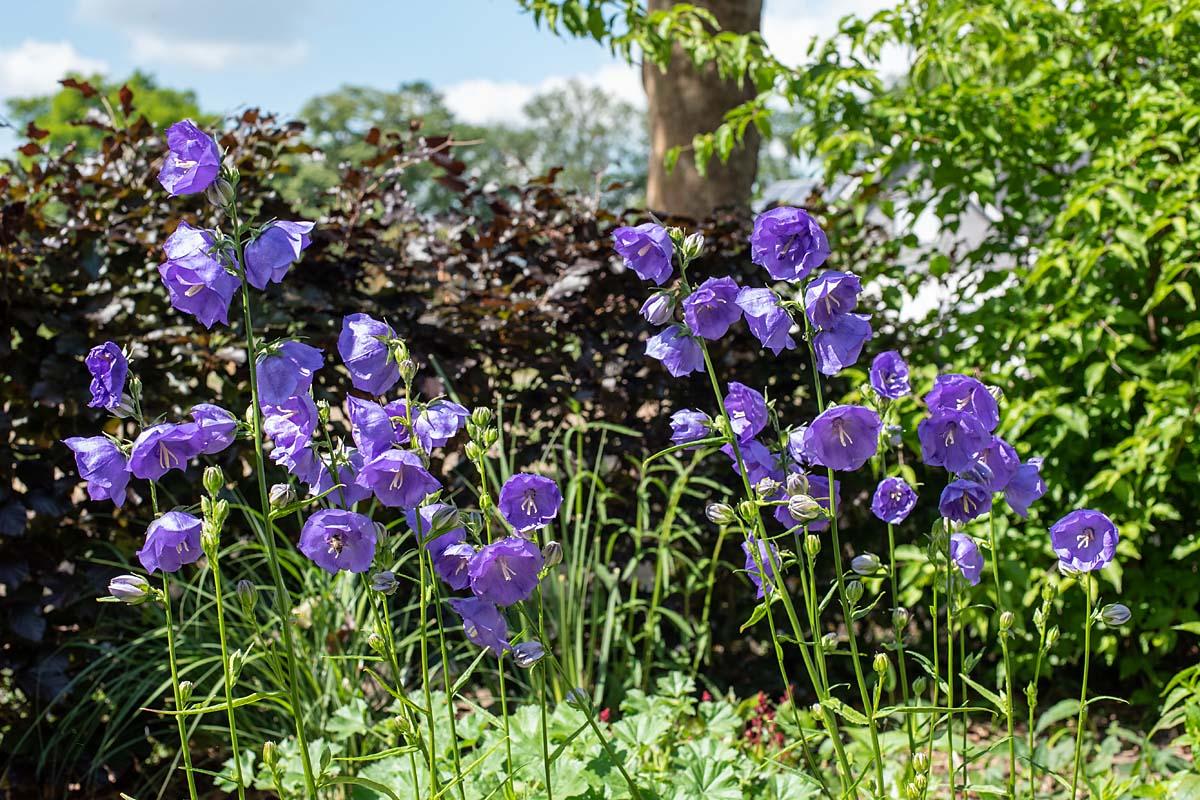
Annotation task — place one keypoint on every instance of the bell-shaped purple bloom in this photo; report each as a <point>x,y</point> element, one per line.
<point>768,558</point>
<point>301,459</point>
<point>286,372</point>
<point>647,250</point>
<point>788,242</point>
<point>506,571</point>
<point>164,447</point>
<point>448,551</point>
<point>200,285</point>
<point>528,502</point>
<point>272,252</point>
<point>842,438</point>
<point>364,347</point>
<point>398,413</point>
<point>889,375</point>
<point>963,501</point>
<point>760,462</point>
<point>109,369</point>
<point>831,295</point>
<point>371,426</point>
<point>291,423</point>
<point>893,501</point>
<point>962,393</point>
<point>965,556</point>
<point>1025,487</point>
<point>767,320</point>
<point>950,439</point>
<point>659,308</point>
<point>482,622</point>
<point>186,241</point>
<point>398,478</point>
<point>172,540</point>
<point>348,491</point>
<point>688,426</point>
<point>1000,462</point>
<point>192,162</point>
<point>102,464</point>
<point>747,411</point>
<point>839,345</point>
<point>678,352</point>
<point>217,428</point>
<point>712,308</point>
<point>439,422</point>
<point>337,540</point>
<point>1084,540</point>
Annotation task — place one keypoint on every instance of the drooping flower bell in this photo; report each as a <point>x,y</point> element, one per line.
<point>272,252</point>
<point>965,556</point>
<point>788,243</point>
<point>164,447</point>
<point>482,622</point>
<point>842,438</point>
<point>840,345</point>
<point>1084,540</point>
<point>286,371</point>
<point>348,490</point>
<point>679,352</point>
<point>109,369</point>
<point>963,501</point>
<point>1001,463</point>
<point>747,411</point>
<point>336,540</point>
<point>647,250</point>
<point>172,540</point>
<point>889,375</point>
<point>449,551</point>
<point>528,502</point>
<point>216,427</point>
<point>950,439</point>
<point>371,426</point>
<point>893,501</point>
<point>192,162</point>
<point>1025,487</point>
<point>712,308</point>
<point>505,571</point>
<point>954,392</point>
<point>199,284</point>
<point>364,345</point>
<point>102,464</point>
<point>763,568</point>
<point>830,296</point>
<point>689,426</point>
<point>439,422</point>
<point>398,478</point>
<point>767,319</point>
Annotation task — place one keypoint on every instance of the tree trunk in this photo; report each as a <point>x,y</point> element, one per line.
<point>684,101</point>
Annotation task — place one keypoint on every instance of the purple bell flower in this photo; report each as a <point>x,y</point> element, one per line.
<point>192,162</point>
<point>398,478</point>
<point>440,422</point>
<point>659,308</point>
<point>109,369</point>
<point>842,438</point>
<point>647,250</point>
<point>889,375</point>
<point>482,622</point>
<point>371,426</point>
<point>397,412</point>
<point>349,491</point>
<point>678,352</point>
<point>216,427</point>
<point>950,439</point>
<point>337,540</point>
<point>187,241</point>
<point>712,308</point>
<point>449,552</point>
<point>1084,540</point>
<point>962,393</point>
<point>506,571</point>
<point>291,423</point>
<point>161,448</point>
<point>528,502</point>
<point>363,345</point>
<point>788,242</point>
<point>767,320</point>
<point>768,556</point>
<point>286,372</point>
<point>963,501</point>
<point>1025,487</point>
<point>830,296</point>
<point>200,285</point>
<point>1000,462</point>
<point>839,346</point>
<point>965,556</point>
<point>102,464</point>
<point>172,540</point>
<point>760,462</point>
<point>688,426</point>
<point>747,411</point>
<point>274,250</point>
<point>894,500</point>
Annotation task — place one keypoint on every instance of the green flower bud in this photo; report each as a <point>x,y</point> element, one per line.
<point>797,483</point>
<point>1051,638</point>
<point>829,642</point>
<point>1048,593</point>
<point>270,755</point>
<point>220,193</point>
<point>130,589</point>
<point>1006,621</point>
<point>812,545</point>
<point>185,691</point>
<point>900,617</point>
<point>747,510</point>
<point>880,664</point>
<point>912,791</point>
<point>919,684</point>
<point>237,660</point>
<point>803,508</point>
<point>692,247</point>
<point>376,643</point>
<point>408,369</point>
<point>323,412</point>
<point>920,761</point>
<point>1114,615</point>
<point>552,555</point>
<point>214,480</point>
<point>854,592</point>
<point>578,698</point>
<point>481,416</point>
<point>766,488</point>
<point>247,593</point>
<point>865,564</point>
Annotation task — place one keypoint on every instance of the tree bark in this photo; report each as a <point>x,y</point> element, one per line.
<point>684,101</point>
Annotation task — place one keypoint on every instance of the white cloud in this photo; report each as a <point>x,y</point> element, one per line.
<point>215,54</point>
<point>484,101</point>
<point>33,67</point>
<point>789,26</point>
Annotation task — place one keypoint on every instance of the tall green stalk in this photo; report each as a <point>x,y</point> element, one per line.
<point>230,713</point>
<point>1004,631</point>
<point>949,671</point>
<point>179,718</point>
<point>1085,581</point>
<point>1031,690</point>
<point>898,629</point>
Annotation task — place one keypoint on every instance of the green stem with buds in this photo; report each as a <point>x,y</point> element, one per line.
<point>229,679</point>
<point>1008,689</point>
<point>1085,583</point>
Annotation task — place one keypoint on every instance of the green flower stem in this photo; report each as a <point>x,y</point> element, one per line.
<point>383,622</point>
<point>899,632</point>
<point>508,759</point>
<point>1085,583</point>
<point>282,597</point>
<point>230,712</point>
<point>1008,689</point>
<point>449,687</point>
<point>545,731</point>
<point>933,687</point>
<point>949,670</point>
<point>423,616</point>
<point>1031,697</point>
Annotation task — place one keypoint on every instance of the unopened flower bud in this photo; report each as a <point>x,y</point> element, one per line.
<point>920,761</point>
<point>767,488</point>
<point>376,643</point>
<point>719,513</point>
<point>130,589</point>
<point>803,508</point>
<point>797,483</point>
<point>402,726</point>
<point>829,642</point>
<point>817,712</point>
<point>481,416</point>
<point>894,435</point>
<point>219,193</point>
<point>693,246</point>
<point>247,594</point>
<point>185,691</point>
<point>659,309</point>
<point>865,564</point>
<point>900,617</point>
<point>578,698</point>
<point>385,582</point>
<point>880,664</point>
<point>552,555</point>
<point>919,684</point>
<point>214,480</point>
<point>209,540</point>
<point>270,755</point>
<point>747,509</point>
<point>282,495</point>
<point>1039,617</point>
<point>237,660</point>
<point>444,518</point>
<point>408,369</point>
<point>323,412</point>
<point>473,450</point>
<point>526,654</point>
<point>912,791</point>
<point>1051,638</point>
<point>1006,621</point>
<point>854,591</point>
<point>812,545</point>
<point>1114,615</point>
<point>920,780</point>
<point>1048,592</point>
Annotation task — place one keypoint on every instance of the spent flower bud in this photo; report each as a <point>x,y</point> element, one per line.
<point>803,508</point>
<point>385,582</point>
<point>130,589</point>
<point>829,642</point>
<point>766,487</point>
<point>578,698</point>
<point>214,480</point>
<point>865,564</point>
<point>552,555</point>
<point>282,495</point>
<point>719,513</point>
<point>526,654</point>
<point>1114,615</point>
